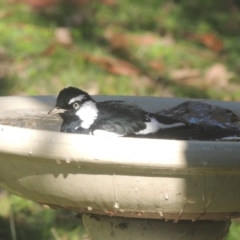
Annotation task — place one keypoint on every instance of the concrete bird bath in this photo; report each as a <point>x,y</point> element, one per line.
<point>127,188</point>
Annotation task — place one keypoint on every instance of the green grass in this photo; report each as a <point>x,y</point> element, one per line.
<point>34,62</point>
<point>234,232</point>
<point>36,222</point>
<point>39,63</point>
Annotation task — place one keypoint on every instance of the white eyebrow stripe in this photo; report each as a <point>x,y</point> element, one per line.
<point>78,98</point>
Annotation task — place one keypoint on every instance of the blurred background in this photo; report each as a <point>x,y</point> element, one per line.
<point>180,48</point>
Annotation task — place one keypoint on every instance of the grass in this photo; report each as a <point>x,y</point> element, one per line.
<point>39,61</point>
<point>156,48</point>
<point>34,221</point>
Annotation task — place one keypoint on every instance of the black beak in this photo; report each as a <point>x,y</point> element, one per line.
<point>57,110</point>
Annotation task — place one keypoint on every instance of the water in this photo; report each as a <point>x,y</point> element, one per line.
<point>58,161</point>
<point>68,160</point>
<point>205,163</point>
<point>89,208</point>
<point>160,211</point>
<point>34,119</point>
<point>116,205</point>
<point>166,197</point>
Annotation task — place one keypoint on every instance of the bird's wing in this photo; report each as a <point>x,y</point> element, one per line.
<point>116,127</point>
<point>124,119</point>
<point>202,114</point>
<point>203,122</point>
<point>120,118</point>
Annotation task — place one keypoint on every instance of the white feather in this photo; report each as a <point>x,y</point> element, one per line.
<point>88,113</point>
<point>153,126</point>
<point>104,133</point>
<point>78,98</point>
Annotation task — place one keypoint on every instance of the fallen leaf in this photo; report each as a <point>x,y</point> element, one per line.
<point>124,40</point>
<point>217,76</point>
<point>156,65</point>
<point>108,2</point>
<point>39,3</point>
<point>210,40</point>
<point>186,76</point>
<point>185,73</point>
<point>146,39</point>
<point>63,36</point>
<point>116,39</point>
<point>113,65</point>
<point>49,50</point>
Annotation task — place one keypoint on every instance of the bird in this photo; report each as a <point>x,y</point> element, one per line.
<point>190,120</point>
<point>203,121</point>
<point>83,115</point>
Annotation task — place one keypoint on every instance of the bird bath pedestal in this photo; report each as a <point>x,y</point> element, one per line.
<point>126,188</point>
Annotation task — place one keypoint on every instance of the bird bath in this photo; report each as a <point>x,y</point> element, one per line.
<point>126,188</point>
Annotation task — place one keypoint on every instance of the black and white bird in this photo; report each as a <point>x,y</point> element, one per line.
<point>190,120</point>
<point>82,114</point>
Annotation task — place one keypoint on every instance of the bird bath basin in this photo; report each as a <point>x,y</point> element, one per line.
<point>127,188</point>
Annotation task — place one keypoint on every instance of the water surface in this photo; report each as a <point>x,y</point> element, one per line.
<point>34,119</point>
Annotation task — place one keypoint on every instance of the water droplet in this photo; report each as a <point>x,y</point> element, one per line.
<point>89,208</point>
<point>139,214</point>
<point>35,144</point>
<point>110,213</point>
<point>166,197</point>
<point>116,205</point>
<point>68,160</point>
<point>205,163</point>
<point>121,210</point>
<point>160,212</point>
<point>58,161</point>
<point>30,152</point>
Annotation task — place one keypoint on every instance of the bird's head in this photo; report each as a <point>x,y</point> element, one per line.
<point>69,102</point>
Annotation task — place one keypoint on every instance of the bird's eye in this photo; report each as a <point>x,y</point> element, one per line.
<point>76,105</point>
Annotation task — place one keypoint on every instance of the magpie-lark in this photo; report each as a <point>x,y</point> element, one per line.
<point>191,120</point>
<point>82,114</point>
